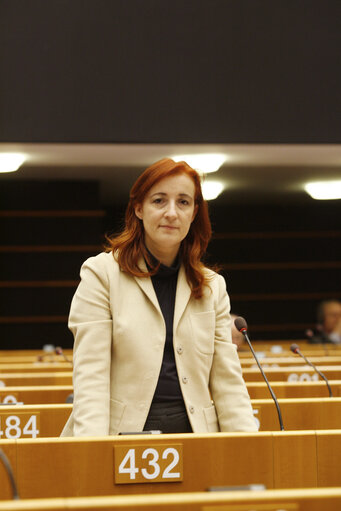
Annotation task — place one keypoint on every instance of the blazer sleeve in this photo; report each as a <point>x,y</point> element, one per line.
<point>90,321</point>
<point>228,389</point>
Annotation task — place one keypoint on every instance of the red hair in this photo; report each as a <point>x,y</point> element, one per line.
<point>128,246</point>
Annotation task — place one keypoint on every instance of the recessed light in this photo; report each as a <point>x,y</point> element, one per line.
<point>211,189</point>
<point>324,190</point>
<point>10,162</point>
<point>204,163</point>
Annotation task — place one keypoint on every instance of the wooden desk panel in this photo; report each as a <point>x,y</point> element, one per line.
<point>33,421</point>
<point>47,378</point>
<point>9,447</point>
<point>329,458</point>
<point>64,467</point>
<point>286,389</point>
<point>299,414</point>
<point>303,343</point>
<point>79,467</point>
<point>292,374</point>
<point>289,361</point>
<point>291,470</point>
<point>49,394</point>
<point>35,367</point>
<point>245,353</point>
<point>28,353</point>
<point>53,394</point>
<point>32,359</point>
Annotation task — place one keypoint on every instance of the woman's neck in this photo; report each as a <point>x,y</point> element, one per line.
<point>165,257</point>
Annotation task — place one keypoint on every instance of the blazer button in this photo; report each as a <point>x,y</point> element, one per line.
<point>191,409</point>
<point>185,379</point>
<point>179,349</point>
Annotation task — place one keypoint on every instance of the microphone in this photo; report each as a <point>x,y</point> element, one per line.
<point>59,351</point>
<point>50,351</point>
<point>296,350</point>
<point>241,326</point>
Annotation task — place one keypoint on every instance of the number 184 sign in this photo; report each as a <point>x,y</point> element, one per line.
<point>148,464</point>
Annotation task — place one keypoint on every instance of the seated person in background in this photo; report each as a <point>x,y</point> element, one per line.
<point>329,323</point>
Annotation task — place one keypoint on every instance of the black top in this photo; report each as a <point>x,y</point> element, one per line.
<point>165,282</point>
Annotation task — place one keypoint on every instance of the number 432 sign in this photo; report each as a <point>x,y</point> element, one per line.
<point>148,464</point>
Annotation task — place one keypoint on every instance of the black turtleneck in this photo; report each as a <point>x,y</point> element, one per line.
<point>165,282</point>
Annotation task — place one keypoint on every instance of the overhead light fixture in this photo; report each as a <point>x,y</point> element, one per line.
<point>10,162</point>
<point>203,163</point>
<point>324,190</point>
<point>211,189</point>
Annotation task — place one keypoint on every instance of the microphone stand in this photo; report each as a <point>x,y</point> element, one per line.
<point>9,471</point>
<point>295,349</point>
<point>244,332</point>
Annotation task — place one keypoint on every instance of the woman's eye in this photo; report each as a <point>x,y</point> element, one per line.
<point>184,202</point>
<point>157,201</point>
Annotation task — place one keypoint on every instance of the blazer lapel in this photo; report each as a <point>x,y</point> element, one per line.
<point>183,294</point>
<point>146,285</point>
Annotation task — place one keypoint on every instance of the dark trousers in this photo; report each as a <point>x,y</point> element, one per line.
<point>168,418</point>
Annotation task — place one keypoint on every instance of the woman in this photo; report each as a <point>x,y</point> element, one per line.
<point>151,324</point>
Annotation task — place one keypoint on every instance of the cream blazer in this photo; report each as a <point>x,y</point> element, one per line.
<point>119,334</point>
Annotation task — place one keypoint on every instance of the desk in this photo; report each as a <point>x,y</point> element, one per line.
<point>48,420</point>
<point>64,467</point>
<point>299,414</point>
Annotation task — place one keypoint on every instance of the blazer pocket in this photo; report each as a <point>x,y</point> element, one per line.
<point>116,413</point>
<point>203,331</point>
<point>211,419</point>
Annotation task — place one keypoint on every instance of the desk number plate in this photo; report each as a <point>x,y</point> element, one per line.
<point>148,463</point>
<point>19,425</point>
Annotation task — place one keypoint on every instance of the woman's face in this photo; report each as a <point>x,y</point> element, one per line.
<point>167,213</point>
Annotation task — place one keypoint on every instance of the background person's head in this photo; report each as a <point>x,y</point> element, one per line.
<point>329,315</point>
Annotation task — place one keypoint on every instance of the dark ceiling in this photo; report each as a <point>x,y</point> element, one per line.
<point>170,71</point>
